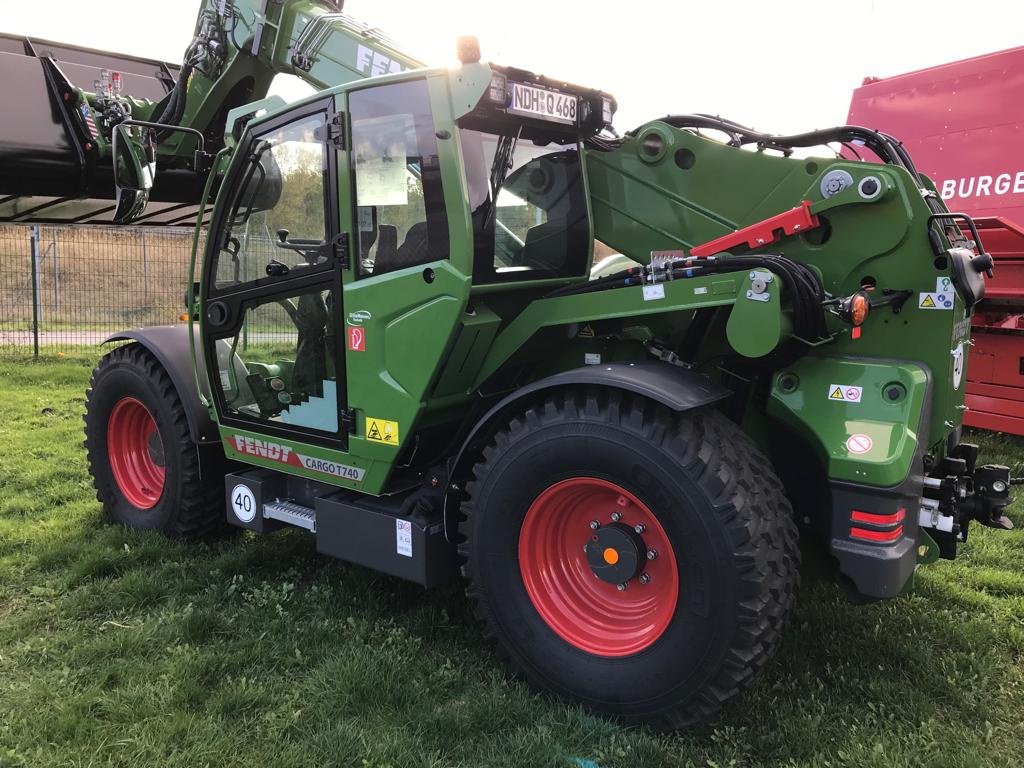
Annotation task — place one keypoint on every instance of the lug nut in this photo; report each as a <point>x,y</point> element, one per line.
<point>616,516</point>
<point>639,528</point>
<point>652,554</point>
<point>594,525</point>
<point>621,587</point>
<point>645,578</point>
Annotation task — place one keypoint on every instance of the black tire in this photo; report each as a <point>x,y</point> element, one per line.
<point>734,540</point>
<point>190,505</point>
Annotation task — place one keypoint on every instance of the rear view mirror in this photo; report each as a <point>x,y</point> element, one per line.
<point>134,170</point>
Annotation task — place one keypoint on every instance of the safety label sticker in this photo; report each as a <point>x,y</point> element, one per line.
<point>935,301</point>
<point>844,393</point>
<point>859,443</point>
<point>944,297</point>
<point>381,431</point>
<point>653,292</point>
<point>403,538</point>
<point>356,339</point>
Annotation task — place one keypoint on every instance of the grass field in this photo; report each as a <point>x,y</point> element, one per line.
<point>119,648</point>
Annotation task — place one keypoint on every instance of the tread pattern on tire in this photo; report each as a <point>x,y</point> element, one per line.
<point>200,513</point>
<point>748,498</point>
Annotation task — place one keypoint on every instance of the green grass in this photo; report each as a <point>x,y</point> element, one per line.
<point>121,648</point>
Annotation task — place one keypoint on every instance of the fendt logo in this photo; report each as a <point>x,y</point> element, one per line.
<point>255,447</point>
<point>372,63</point>
<point>984,186</point>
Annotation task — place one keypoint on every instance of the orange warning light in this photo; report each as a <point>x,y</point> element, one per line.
<point>860,306</point>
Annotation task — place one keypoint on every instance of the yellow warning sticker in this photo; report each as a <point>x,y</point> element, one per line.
<point>846,393</point>
<point>381,431</point>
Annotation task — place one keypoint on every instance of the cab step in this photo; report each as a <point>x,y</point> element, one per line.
<point>291,513</point>
<point>377,532</point>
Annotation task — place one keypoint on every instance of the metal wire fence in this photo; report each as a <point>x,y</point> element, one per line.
<point>63,288</point>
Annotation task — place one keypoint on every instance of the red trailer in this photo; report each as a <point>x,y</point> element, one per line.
<point>963,123</point>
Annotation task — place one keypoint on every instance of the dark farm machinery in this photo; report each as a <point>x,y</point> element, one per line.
<point>397,342</point>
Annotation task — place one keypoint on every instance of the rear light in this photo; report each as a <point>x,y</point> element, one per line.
<point>873,519</point>
<point>892,522</point>
<point>882,537</point>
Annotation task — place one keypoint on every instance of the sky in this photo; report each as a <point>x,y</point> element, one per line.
<point>787,66</point>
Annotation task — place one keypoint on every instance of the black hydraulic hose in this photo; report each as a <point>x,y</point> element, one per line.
<point>875,141</point>
<point>175,110</point>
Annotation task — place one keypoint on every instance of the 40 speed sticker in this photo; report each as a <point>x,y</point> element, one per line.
<point>283,454</point>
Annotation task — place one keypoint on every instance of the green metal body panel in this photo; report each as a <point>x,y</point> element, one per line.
<point>643,204</point>
<point>827,423</point>
<point>433,346</point>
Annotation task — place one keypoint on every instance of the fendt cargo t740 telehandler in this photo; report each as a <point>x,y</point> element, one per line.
<point>398,343</point>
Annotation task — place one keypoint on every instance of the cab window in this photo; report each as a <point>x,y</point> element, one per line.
<point>400,213</point>
<point>279,200</point>
<point>528,206</point>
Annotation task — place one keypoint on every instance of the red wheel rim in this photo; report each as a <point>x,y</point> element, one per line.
<point>132,440</point>
<point>585,611</point>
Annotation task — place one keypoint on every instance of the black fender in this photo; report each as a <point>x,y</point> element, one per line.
<point>675,387</point>
<point>170,346</point>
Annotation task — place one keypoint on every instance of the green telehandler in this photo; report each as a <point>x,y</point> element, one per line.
<point>398,341</point>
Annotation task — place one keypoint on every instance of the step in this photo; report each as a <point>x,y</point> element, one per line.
<point>291,513</point>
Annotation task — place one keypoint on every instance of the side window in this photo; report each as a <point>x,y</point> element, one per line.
<point>529,210</point>
<point>280,366</point>
<point>401,217</point>
<point>280,192</point>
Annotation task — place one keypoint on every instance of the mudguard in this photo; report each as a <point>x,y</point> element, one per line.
<point>170,345</point>
<point>680,389</point>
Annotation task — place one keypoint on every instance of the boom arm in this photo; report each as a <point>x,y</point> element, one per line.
<point>55,163</point>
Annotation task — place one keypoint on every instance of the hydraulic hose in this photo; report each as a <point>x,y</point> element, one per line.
<point>175,108</point>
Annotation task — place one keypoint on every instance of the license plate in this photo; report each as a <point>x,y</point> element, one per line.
<point>540,102</point>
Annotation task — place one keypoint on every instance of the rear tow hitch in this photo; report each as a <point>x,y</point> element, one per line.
<point>963,492</point>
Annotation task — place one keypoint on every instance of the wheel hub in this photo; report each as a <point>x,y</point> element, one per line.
<point>136,453</point>
<point>615,595</point>
<point>616,553</point>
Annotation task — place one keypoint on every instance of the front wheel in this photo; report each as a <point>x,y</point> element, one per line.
<point>641,562</point>
<point>143,461</point>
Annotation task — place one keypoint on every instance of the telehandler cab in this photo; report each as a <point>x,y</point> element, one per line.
<point>398,342</point>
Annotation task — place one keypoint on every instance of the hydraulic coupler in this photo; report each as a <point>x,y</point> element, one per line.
<point>963,492</point>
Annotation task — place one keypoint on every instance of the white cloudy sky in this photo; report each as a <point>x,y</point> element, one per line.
<point>782,66</point>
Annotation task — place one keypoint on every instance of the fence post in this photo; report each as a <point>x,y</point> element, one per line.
<point>145,271</point>
<point>56,277</point>
<point>34,248</point>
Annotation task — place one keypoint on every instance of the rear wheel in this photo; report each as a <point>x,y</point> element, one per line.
<point>636,560</point>
<point>144,464</point>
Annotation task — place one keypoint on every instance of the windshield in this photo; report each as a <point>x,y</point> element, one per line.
<point>528,208</point>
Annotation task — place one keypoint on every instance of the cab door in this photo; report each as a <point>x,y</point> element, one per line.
<point>272,299</point>
<point>411,242</point>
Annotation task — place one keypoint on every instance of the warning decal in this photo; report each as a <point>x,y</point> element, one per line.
<point>935,300</point>
<point>859,443</point>
<point>844,393</point>
<point>381,431</point>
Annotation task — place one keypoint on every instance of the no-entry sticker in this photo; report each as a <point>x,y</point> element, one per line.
<point>859,443</point>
